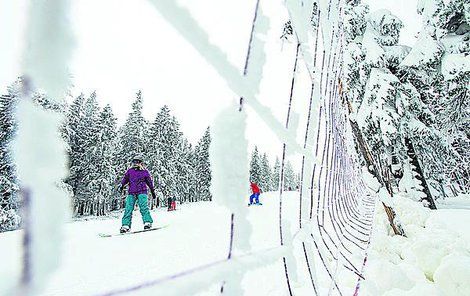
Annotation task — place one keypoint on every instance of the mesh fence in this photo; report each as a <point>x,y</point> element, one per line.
<point>335,207</point>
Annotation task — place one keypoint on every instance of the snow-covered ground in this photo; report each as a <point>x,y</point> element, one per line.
<point>197,234</point>
<point>433,260</point>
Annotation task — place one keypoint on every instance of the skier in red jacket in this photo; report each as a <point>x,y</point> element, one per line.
<point>256,192</point>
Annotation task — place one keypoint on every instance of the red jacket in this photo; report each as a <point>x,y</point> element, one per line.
<point>254,188</point>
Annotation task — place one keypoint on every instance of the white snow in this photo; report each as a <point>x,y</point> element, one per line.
<point>385,22</point>
<point>434,258</point>
<point>453,274</point>
<point>429,9</point>
<point>375,54</point>
<point>371,182</point>
<point>458,202</point>
<point>425,51</point>
<point>455,65</point>
<point>197,234</point>
<point>396,52</point>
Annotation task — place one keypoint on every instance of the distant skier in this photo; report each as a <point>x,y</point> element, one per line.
<point>138,179</point>
<point>256,192</point>
<point>171,204</point>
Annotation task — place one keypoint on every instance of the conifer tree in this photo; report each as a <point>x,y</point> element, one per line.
<point>163,153</point>
<point>186,168</point>
<point>88,187</point>
<point>43,101</point>
<point>255,167</point>
<point>266,174</point>
<point>276,173</point>
<point>202,166</point>
<point>107,164</point>
<point>133,135</point>
<point>289,177</point>
<point>72,135</point>
<point>9,186</point>
<point>435,68</point>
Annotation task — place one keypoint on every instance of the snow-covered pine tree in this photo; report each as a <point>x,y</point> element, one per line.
<point>163,153</point>
<point>366,51</point>
<point>71,135</point>
<point>9,187</point>
<point>255,167</point>
<point>355,21</point>
<point>43,101</point>
<point>290,177</point>
<point>454,25</point>
<point>108,198</point>
<point>186,168</point>
<point>436,69</point>
<point>87,191</point>
<point>266,174</point>
<point>377,116</point>
<point>133,137</point>
<point>276,173</point>
<point>180,163</point>
<point>356,70</point>
<point>203,169</point>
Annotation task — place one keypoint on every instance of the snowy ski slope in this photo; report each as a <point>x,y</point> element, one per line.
<point>197,234</point>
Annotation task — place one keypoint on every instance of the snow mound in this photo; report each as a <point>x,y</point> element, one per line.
<point>419,289</point>
<point>434,258</point>
<point>453,274</point>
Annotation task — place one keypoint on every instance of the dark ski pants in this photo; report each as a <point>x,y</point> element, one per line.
<point>143,207</point>
<point>254,196</point>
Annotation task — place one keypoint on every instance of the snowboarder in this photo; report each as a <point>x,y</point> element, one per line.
<point>139,179</point>
<point>256,192</point>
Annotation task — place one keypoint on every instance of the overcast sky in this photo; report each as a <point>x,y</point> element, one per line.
<point>124,46</point>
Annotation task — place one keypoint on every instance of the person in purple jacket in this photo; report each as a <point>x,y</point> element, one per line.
<point>138,179</point>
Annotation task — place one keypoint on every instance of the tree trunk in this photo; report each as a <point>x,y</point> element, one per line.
<point>420,176</point>
<point>373,168</point>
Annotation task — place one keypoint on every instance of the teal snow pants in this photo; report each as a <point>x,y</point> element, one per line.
<point>143,207</point>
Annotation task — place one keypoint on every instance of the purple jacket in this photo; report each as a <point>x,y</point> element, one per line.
<point>138,181</point>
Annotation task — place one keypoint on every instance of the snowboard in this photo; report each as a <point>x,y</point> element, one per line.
<point>131,232</point>
<point>255,204</point>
